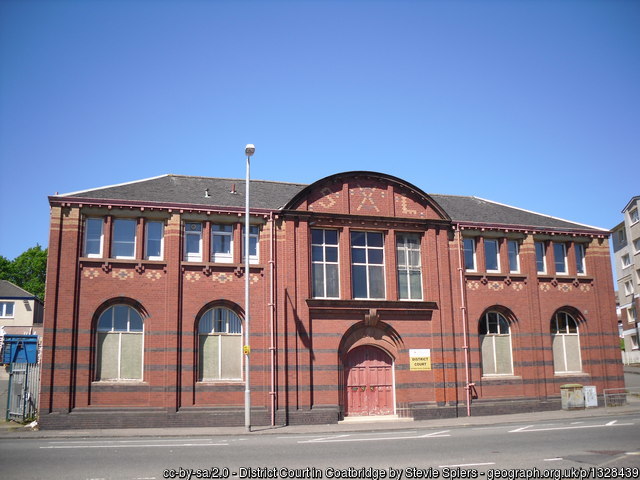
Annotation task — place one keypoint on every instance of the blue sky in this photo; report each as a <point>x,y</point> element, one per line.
<point>535,104</point>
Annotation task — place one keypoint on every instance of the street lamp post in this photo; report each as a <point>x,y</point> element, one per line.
<point>249,151</point>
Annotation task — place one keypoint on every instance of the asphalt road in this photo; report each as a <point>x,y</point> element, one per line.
<point>591,447</point>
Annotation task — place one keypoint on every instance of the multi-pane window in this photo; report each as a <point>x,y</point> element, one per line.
<point>119,344</point>
<point>470,254</point>
<point>636,245</point>
<point>495,343</point>
<point>578,248</point>
<point>566,343</point>
<point>93,237</point>
<point>626,260</point>
<point>6,309</point>
<point>367,264</point>
<point>124,238</point>
<point>254,234</point>
<point>633,215</point>
<point>220,345</point>
<point>409,269</point>
<point>154,240</point>
<point>324,263</point>
<point>222,243</point>
<point>193,242</point>
<point>560,257</point>
<point>491,255</point>
<point>541,263</point>
<point>513,249</point>
<point>628,287</point>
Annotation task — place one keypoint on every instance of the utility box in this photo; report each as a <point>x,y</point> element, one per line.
<point>590,396</point>
<point>572,396</point>
<point>20,349</point>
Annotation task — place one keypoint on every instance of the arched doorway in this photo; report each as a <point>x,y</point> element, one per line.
<point>368,382</point>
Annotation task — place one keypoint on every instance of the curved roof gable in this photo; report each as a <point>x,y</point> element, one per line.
<point>367,193</point>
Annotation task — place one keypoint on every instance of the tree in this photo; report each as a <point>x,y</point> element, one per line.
<point>28,270</point>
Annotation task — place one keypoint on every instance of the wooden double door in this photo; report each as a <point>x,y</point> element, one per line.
<point>369,382</point>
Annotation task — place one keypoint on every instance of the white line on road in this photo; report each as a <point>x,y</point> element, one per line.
<point>467,465</point>
<point>150,445</point>
<point>528,429</point>
<point>442,433</point>
<point>555,459</point>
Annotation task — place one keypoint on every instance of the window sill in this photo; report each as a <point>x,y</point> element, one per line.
<point>498,376</point>
<point>571,374</point>
<point>229,381</point>
<point>118,382</point>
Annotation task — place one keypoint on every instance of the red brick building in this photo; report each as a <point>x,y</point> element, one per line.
<point>368,297</point>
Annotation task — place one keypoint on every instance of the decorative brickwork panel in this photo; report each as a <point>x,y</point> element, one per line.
<point>328,199</point>
<point>367,197</point>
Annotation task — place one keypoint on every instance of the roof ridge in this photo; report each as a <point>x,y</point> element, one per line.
<point>112,186</point>
<point>542,214</point>
<point>235,179</point>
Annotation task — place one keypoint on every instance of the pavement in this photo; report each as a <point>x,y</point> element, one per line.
<point>632,375</point>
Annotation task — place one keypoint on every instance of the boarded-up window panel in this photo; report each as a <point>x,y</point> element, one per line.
<point>572,344</point>
<point>558,354</point>
<point>488,363</point>
<point>504,364</point>
<point>208,357</point>
<point>131,356</point>
<point>107,364</point>
<point>231,356</point>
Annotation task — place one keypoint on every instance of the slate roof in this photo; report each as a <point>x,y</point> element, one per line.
<point>179,189</point>
<point>9,290</point>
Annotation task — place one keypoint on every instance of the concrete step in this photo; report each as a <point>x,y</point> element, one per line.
<point>374,419</point>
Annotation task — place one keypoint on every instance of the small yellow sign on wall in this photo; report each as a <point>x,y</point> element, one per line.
<point>419,359</point>
<point>246,349</point>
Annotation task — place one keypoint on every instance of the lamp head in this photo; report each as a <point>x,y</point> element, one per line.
<point>250,149</point>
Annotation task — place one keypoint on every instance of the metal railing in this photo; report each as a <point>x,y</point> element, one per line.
<point>619,397</point>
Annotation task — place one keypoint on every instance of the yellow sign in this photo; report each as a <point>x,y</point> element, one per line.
<point>419,359</point>
<point>246,349</point>
<point>420,363</point>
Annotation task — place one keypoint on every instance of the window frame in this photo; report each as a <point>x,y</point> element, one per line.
<point>625,260</point>
<point>85,250</point>
<point>472,242</point>
<point>215,332</point>
<point>368,266</point>
<point>580,253</point>
<point>408,269</point>
<point>516,256</point>
<point>634,216</point>
<point>541,257</point>
<point>562,260</point>
<point>485,333</point>
<point>219,257</point>
<point>130,242</point>
<point>324,263</point>
<point>147,237</point>
<point>254,233</point>
<point>115,331</point>
<point>3,309</point>
<point>636,245</point>
<point>487,257</point>
<point>628,287</point>
<point>555,331</point>
<point>188,230</point>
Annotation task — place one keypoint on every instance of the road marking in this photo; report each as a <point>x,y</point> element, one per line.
<point>466,465</point>
<point>84,442</point>
<point>340,438</point>
<point>520,429</point>
<point>529,429</point>
<point>150,445</point>
<point>556,459</point>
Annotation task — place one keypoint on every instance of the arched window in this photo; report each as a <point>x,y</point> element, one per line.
<point>495,344</point>
<point>566,343</point>
<point>220,342</point>
<point>119,344</point>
